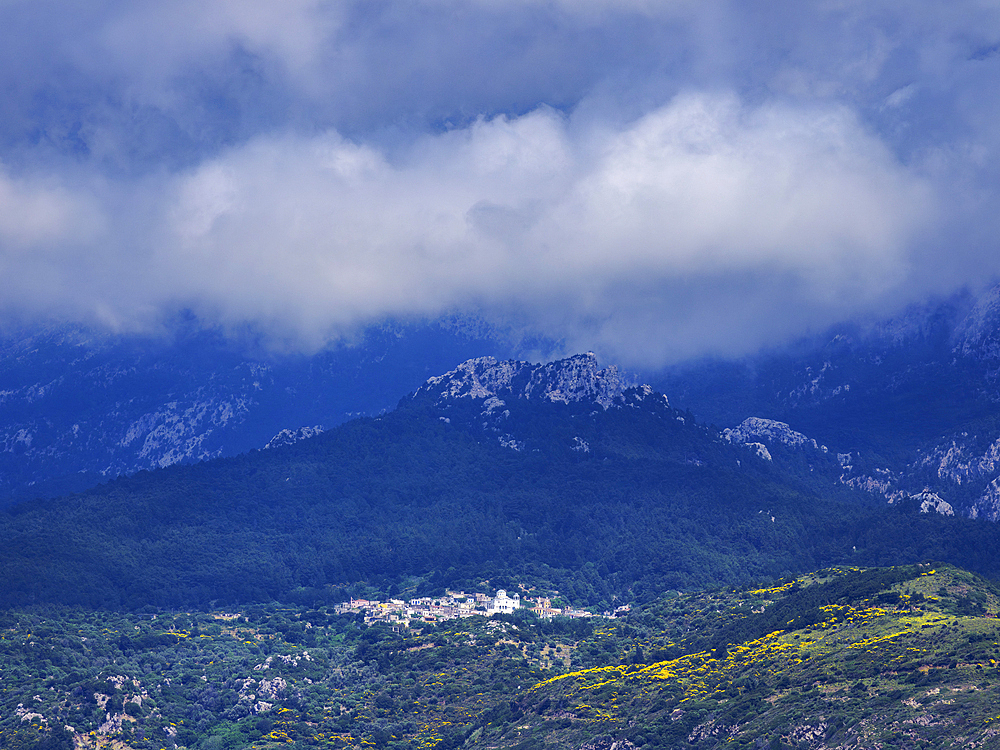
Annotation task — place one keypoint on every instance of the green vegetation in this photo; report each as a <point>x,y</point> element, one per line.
<point>656,503</point>
<point>193,607</point>
<point>904,657</point>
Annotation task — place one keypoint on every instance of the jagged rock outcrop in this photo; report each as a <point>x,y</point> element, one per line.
<point>496,386</point>
<point>978,335</point>
<point>988,505</point>
<point>757,429</point>
<point>932,502</point>
<point>575,379</point>
<point>958,461</point>
<point>287,437</point>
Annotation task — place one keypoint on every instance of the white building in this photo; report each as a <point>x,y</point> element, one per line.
<point>503,604</point>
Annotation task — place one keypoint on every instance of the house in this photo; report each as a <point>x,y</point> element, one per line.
<point>543,608</point>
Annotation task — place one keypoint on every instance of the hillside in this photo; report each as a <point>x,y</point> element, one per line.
<point>532,478</point>
<point>841,658</point>
<point>878,658</point>
<point>79,407</point>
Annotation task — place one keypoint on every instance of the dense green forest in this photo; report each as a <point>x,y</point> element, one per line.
<point>656,502</point>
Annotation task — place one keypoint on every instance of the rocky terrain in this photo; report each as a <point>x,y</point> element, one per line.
<point>79,407</point>
<point>498,386</point>
<point>910,407</point>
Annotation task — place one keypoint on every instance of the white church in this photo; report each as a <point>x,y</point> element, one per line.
<point>503,604</point>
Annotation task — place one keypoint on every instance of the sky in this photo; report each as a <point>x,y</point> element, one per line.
<point>648,180</point>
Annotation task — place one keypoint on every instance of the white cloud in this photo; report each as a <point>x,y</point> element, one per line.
<point>315,236</point>
<point>169,36</point>
<point>38,213</point>
<point>653,178</point>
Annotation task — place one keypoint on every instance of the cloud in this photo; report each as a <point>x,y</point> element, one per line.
<point>38,213</point>
<point>650,180</point>
<point>314,236</point>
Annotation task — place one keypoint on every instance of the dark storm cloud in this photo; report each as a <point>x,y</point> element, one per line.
<point>651,180</point>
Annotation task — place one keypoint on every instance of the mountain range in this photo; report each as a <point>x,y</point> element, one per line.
<point>499,471</point>
<point>908,407</point>
<point>188,601</point>
<point>566,470</point>
<point>78,406</point>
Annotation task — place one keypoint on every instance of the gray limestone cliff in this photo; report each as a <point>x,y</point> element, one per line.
<point>572,380</point>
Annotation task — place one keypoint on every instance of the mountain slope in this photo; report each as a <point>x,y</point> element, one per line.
<point>600,489</point>
<point>79,407</point>
<point>910,405</point>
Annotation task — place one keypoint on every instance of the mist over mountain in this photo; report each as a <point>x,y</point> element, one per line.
<point>649,181</point>
<point>904,406</point>
<point>910,406</point>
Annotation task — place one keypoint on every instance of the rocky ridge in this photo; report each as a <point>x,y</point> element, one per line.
<point>978,334</point>
<point>288,437</point>
<point>571,380</point>
<point>78,406</point>
<point>497,386</point>
<point>755,429</point>
<point>757,433</point>
<point>908,405</point>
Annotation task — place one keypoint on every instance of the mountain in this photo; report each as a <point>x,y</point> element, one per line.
<point>78,407</point>
<point>560,473</point>
<point>910,407</point>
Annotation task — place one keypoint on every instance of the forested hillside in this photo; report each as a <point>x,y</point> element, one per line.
<point>81,406</point>
<point>624,501</point>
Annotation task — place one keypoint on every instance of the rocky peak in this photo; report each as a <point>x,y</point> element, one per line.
<point>575,379</point>
<point>931,501</point>
<point>757,429</point>
<point>480,378</point>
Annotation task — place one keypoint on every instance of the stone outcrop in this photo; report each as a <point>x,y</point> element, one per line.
<point>575,379</point>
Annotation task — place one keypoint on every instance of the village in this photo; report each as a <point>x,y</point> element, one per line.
<point>455,604</point>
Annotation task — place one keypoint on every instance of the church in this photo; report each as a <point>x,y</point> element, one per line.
<point>503,604</point>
